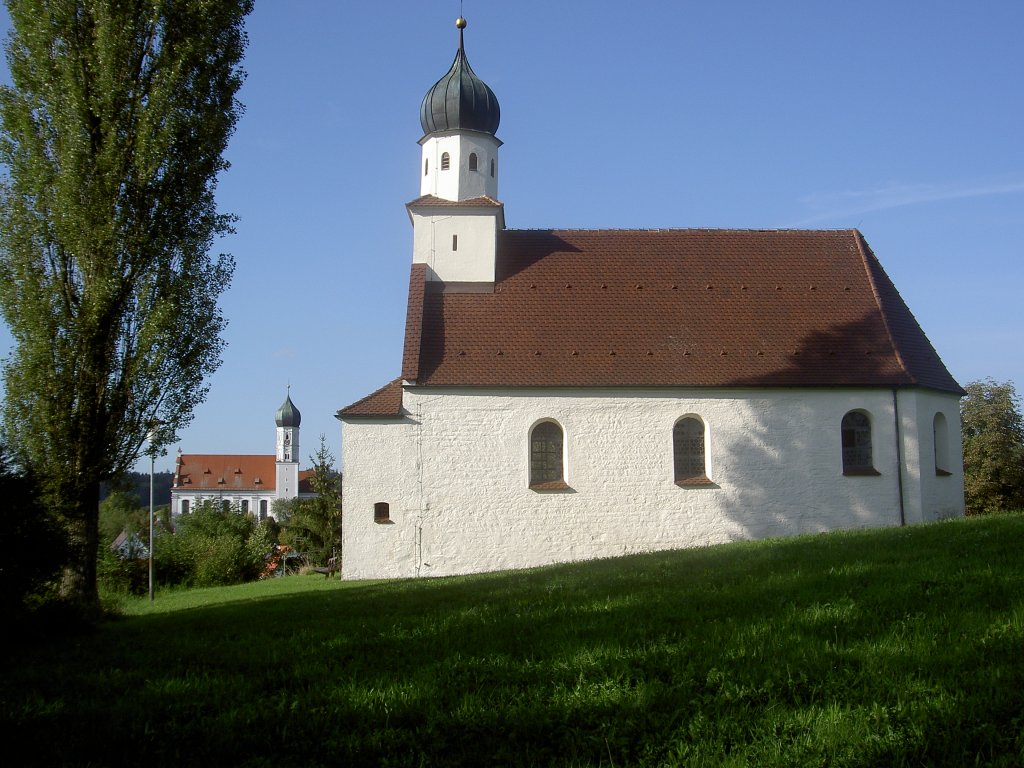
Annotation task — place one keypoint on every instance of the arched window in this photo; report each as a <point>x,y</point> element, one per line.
<point>446,161</point>
<point>856,437</point>
<point>940,434</point>
<point>184,506</point>
<point>382,512</point>
<point>546,460</point>
<point>472,161</point>
<point>426,165</point>
<point>492,167</point>
<point>688,451</point>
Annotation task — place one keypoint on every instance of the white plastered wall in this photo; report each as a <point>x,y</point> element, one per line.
<point>178,495</point>
<point>469,259</point>
<point>931,494</point>
<point>454,472</point>
<point>458,182</point>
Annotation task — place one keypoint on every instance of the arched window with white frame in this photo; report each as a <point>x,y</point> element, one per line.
<point>857,444</point>
<point>940,437</point>
<point>688,453</point>
<point>547,456</point>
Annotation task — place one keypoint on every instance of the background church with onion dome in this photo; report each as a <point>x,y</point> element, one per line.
<point>250,483</point>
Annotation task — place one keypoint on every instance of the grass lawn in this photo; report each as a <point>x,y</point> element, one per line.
<point>870,648</point>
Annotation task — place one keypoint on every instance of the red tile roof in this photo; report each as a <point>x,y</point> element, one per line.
<point>672,308</point>
<point>413,322</point>
<point>476,202</point>
<point>228,473</point>
<point>385,402</point>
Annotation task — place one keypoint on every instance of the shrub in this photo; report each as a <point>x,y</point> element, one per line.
<point>129,576</point>
<point>219,560</point>
<point>213,546</point>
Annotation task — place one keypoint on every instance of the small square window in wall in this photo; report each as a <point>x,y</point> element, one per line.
<point>382,513</point>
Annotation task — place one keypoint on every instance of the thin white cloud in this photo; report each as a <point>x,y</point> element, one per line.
<point>844,205</point>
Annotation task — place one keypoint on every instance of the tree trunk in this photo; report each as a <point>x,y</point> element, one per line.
<point>78,582</point>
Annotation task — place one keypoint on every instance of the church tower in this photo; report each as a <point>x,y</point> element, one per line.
<point>457,217</point>
<point>288,420</point>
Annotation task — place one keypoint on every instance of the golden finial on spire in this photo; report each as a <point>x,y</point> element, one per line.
<point>460,23</point>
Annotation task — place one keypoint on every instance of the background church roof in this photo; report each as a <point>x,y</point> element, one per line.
<point>214,473</point>
<point>673,308</point>
<point>460,100</point>
<point>225,472</point>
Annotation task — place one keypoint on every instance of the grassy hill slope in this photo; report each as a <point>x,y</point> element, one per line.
<point>893,647</point>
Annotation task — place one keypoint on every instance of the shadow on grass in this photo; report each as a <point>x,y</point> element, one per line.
<point>867,648</point>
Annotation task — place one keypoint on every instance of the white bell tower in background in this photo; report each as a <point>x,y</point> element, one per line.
<point>288,420</point>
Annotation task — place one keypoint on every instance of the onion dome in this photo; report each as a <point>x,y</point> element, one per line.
<point>460,100</point>
<point>288,415</point>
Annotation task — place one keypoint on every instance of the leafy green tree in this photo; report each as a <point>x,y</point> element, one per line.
<point>313,526</point>
<point>112,134</point>
<point>993,431</point>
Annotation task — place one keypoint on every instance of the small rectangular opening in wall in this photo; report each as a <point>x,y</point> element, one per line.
<point>382,513</point>
<point>455,242</point>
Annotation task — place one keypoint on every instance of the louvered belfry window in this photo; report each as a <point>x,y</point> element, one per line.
<point>546,453</point>
<point>688,449</point>
<point>446,162</point>
<point>856,436</point>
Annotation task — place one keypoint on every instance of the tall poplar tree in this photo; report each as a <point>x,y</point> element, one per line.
<point>112,136</point>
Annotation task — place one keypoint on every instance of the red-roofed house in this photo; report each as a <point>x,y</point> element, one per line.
<point>571,394</point>
<point>252,482</point>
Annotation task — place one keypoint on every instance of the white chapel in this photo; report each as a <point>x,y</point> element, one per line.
<point>575,394</point>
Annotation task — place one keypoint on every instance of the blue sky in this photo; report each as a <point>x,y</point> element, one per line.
<point>903,119</point>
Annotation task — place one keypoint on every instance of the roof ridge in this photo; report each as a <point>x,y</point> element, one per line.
<point>682,229</point>
<point>413,342</point>
<point>232,455</point>
<point>864,249</point>
<point>431,199</point>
